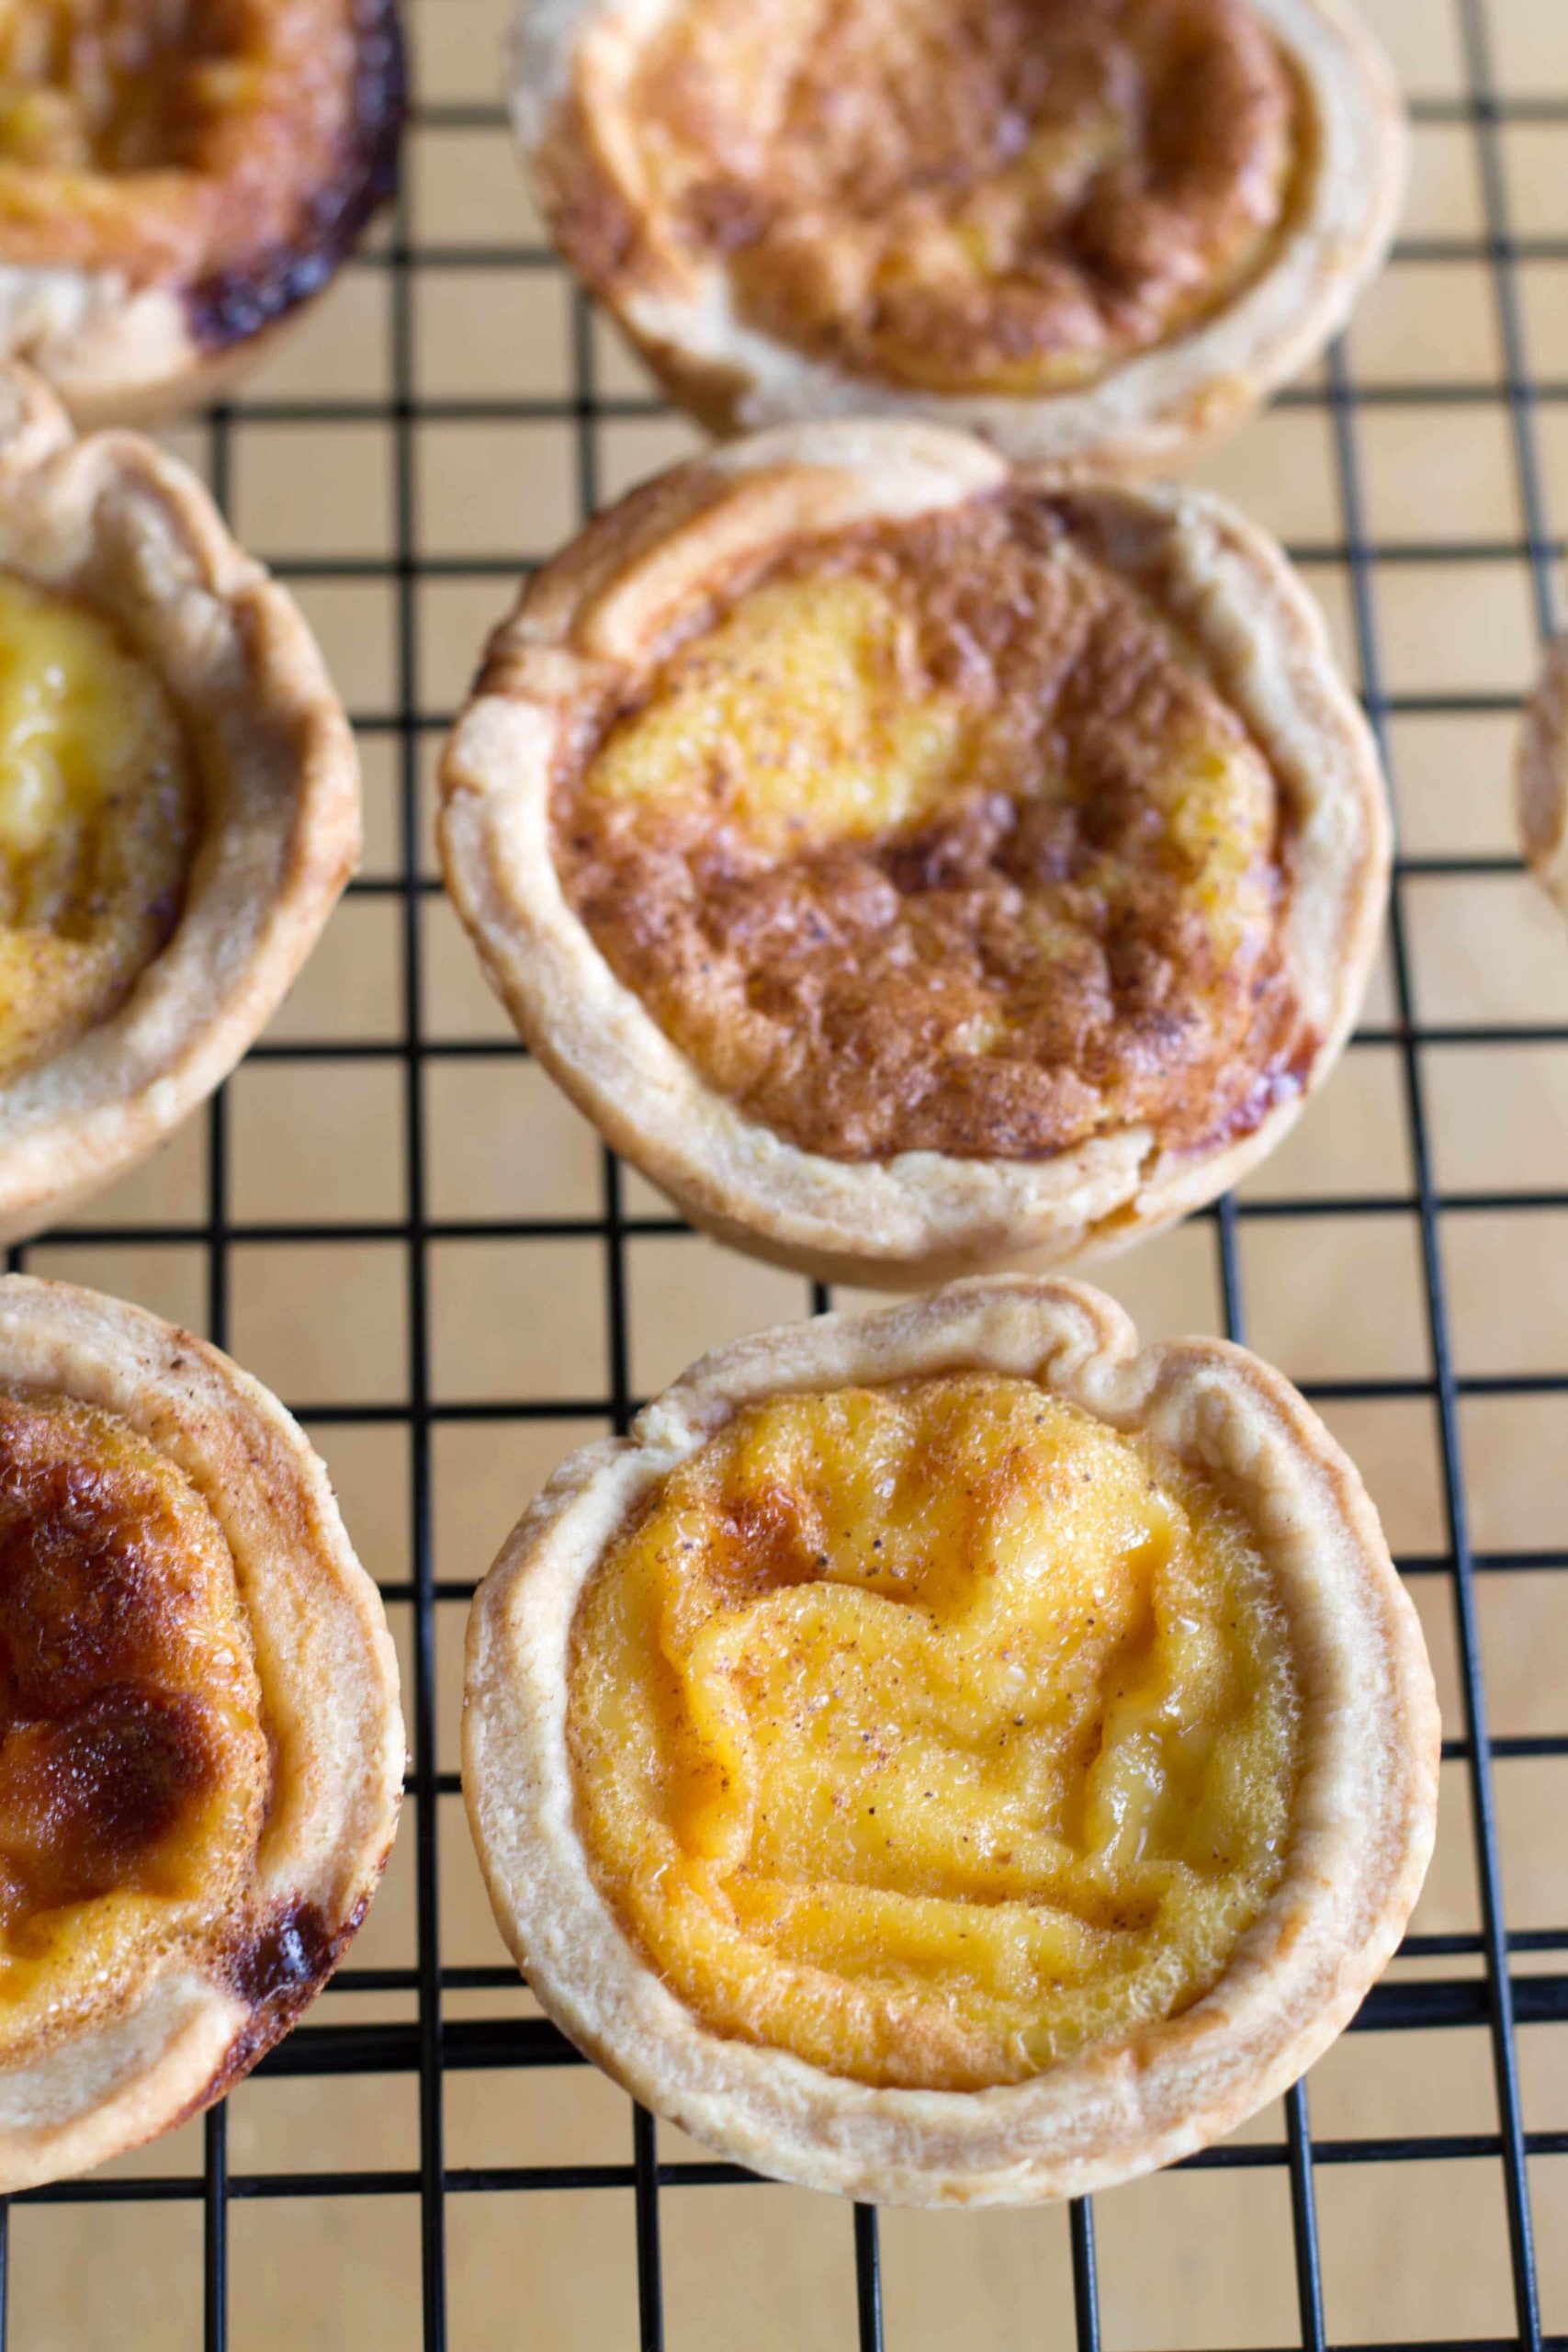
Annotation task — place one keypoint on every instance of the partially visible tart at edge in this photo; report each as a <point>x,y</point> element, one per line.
<point>175,180</point>
<point>1540,774</point>
<point>200,1744</point>
<point>134,1764</point>
<point>953,1754</point>
<point>179,800</point>
<point>1098,229</point>
<point>904,858</point>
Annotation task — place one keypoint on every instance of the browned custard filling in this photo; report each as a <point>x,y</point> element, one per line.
<point>177,139</point>
<point>964,195</point>
<point>939,837</point>
<point>934,1732</point>
<point>99,810</point>
<point>134,1764</point>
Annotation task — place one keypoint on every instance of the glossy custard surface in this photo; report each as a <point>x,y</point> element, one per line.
<point>175,139</point>
<point>933,1732</point>
<point>962,195</point>
<point>939,837</point>
<point>98,815</point>
<point>134,1764</point>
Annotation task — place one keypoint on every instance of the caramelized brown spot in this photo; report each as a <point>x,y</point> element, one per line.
<point>131,1757</point>
<point>287,1955</point>
<point>765,1542</point>
<point>87,1798</point>
<point>277,1968</point>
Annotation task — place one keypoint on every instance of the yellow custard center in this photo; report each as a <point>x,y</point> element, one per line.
<point>808,716</point>
<point>801,717</point>
<point>98,810</point>
<point>134,1764</point>
<point>933,1732</point>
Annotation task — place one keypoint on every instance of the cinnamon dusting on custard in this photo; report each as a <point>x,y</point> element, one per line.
<point>933,1732</point>
<point>233,148</point>
<point>938,836</point>
<point>134,1763</point>
<point>959,195</point>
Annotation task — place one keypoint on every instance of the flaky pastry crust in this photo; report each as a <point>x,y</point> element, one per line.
<point>1148,414</point>
<point>1364,1816</point>
<point>328,1675</point>
<point>608,600</point>
<point>1540,775</point>
<point>112,521</point>
<point>133,342</point>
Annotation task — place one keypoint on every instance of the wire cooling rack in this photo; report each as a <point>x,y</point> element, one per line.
<point>258,1251</point>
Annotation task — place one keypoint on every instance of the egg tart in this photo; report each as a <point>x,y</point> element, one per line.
<point>907,861</point>
<point>1540,775</point>
<point>1097,231</point>
<point>953,1754</point>
<point>180,176</point>
<point>179,801</point>
<point>201,1752</point>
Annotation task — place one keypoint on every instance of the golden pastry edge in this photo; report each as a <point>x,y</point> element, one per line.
<point>111,518</point>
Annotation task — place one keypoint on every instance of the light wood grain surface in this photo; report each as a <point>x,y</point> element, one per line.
<point>1200,2260</point>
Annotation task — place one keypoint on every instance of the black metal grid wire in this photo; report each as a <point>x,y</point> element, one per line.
<point>1501,1997</point>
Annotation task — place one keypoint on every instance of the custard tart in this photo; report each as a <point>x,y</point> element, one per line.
<point>951,1755</point>
<point>1097,231</point>
<point>177,177</point>
<point>201,1752</point>
<point>910,862</point>
<point>179,801</point>
<point>1540,775</point>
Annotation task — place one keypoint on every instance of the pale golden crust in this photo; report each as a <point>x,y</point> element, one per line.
<point>1147,413</point>
<point>1540,775</point>
<point>112,521</point>
<point>920,1215</point>
<point>329,1683</point>
<point>1365,1809</point>
<point>141,291</point>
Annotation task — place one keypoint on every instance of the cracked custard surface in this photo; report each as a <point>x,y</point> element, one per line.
<point>181,139</point>
<point>939,836</point>
<point>933,1732</point>
<point>99,807</point>
<point>959,195</point>
<point>134,1763</point>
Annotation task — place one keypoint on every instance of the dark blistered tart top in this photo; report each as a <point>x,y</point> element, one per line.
<point>1011,196</point>
<point>907,857</point>
<point>134,1760</point>
<point>941,836</point>
<point>232,150</point>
